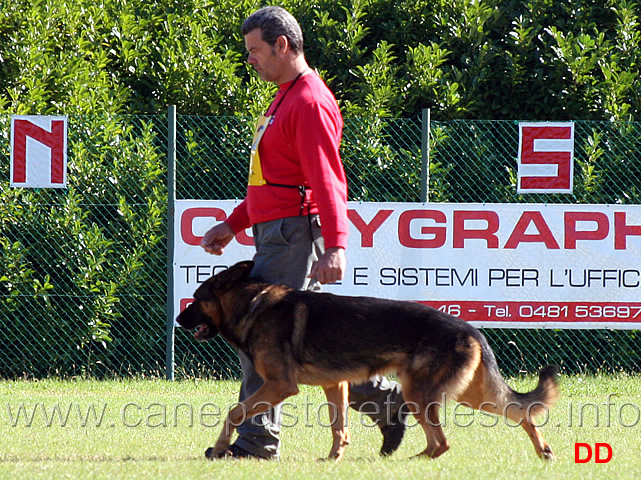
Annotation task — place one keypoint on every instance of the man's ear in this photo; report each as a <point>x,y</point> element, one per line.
<point>282,43</point>
<point>228,278</point>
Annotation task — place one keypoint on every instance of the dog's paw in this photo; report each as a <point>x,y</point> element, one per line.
<point>213,453</point>
<point>332,457</point>
<point>546,453</point>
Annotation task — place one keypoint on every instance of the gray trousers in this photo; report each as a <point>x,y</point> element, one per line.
<point>284,255</point>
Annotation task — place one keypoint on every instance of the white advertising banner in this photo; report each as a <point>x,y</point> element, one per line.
<point>494,265</point>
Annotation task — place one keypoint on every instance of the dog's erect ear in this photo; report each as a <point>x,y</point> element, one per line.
<point>233,274</point>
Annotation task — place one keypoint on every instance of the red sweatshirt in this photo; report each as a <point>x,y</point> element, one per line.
<point>300,146</point>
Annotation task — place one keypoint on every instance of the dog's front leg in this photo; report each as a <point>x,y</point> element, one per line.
<point>235,418</point>
<point>271,393</point>
<point>337,398</point>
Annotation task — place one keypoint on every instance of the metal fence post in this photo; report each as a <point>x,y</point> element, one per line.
<point>425,154</point>
<point>171,196</point>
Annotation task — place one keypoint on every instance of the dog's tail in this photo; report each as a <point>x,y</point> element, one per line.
<point>512,404</point>
<point>489,392</point>
<point>544,395</point>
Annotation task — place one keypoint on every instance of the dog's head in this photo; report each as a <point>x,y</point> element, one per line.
<point>206,312</point>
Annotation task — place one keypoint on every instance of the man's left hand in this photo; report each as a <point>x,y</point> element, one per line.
<point>330,267</point>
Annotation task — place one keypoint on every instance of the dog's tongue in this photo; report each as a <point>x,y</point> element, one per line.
<point>200,331</point>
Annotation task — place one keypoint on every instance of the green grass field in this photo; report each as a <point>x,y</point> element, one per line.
<point>151,429</point>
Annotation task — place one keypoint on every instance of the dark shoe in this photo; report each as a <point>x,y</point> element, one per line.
<point>393,433</point>
<point>234,452</point>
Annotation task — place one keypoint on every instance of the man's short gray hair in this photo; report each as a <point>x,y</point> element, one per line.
<point>274,22</point>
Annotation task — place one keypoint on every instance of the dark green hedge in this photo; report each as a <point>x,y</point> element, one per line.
<point>492,59</point>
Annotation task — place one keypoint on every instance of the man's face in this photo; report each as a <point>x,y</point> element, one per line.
<point>262,56</point>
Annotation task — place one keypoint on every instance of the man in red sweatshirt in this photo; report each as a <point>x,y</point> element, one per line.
<point>296,205</point>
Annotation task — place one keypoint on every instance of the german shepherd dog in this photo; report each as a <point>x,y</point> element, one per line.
<point>329,340</point>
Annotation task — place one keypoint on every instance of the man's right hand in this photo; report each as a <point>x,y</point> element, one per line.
<point>217,238</point>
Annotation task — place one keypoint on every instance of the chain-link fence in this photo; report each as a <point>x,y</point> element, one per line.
<point>83,271</point>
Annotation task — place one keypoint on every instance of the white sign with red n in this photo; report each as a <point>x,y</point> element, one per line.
<point>38,151</point>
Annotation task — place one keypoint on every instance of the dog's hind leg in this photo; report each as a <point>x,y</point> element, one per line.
<point>522,416</point>
<point>337,398</point>
<point>489,393</point>
<point>542,448</point>
<point>426,410</point>
<point>437,443</point>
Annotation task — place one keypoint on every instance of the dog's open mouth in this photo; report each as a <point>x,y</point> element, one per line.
<point>202,333</point>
